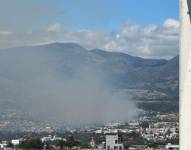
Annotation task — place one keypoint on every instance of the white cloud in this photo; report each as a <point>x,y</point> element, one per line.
<point>150,41</point>
<point>5,33</point>
<point>54,28</point>
<point>171,23</point>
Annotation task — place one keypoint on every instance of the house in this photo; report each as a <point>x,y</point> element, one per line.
<point>50,138</point>
<point>114,142</point>
<point>3,145</point>
<point>15,142</point>
<point>138,147</point>
<point>171,147</point>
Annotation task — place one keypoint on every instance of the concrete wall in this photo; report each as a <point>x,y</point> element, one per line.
<point>185,77</point>
<point>110,141</point>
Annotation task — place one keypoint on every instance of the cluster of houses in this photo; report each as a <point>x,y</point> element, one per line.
<point>15,142</point>
<point>115,142</point>
<point>160,128</point>
<point>112,142</point>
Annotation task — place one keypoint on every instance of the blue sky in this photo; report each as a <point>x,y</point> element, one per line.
<point>110,14</point>
<point>100,15</point>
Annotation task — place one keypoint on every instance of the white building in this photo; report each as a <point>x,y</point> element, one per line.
<point>15,142</point>
<point>138,147</point>
<point>99,131</point>
<point>46,138</point>
<point>114,142</point>
<point>3,145</point>
<point>50,138</point>
<point>55,138</point>
<point>171,147</point>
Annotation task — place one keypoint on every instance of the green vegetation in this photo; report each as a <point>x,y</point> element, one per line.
<point>31,144</point>
<point>71,142</point>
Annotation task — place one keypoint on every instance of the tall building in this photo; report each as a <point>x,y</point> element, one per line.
<point>114,142</point>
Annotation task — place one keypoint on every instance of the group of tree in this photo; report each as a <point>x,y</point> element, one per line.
<point>38,144</point>
<point>71,142</point>
<point>31,144</point>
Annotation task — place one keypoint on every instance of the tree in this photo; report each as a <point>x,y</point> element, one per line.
<point>31,144</point>
<point>71,142</point>
<point>144,124</point>
<point>60,143</point>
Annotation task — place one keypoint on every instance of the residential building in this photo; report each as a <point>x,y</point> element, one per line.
<point>114,142</point>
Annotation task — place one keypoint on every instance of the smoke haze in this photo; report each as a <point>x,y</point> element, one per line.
<point>60,86</point>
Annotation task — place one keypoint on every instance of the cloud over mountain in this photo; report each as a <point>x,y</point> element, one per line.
<point>150,41</point>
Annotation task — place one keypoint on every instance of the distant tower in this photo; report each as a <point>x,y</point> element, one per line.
<point>185,74</point>
<point>92,143</point>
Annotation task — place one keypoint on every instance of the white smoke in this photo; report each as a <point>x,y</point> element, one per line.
<point>36,83</point>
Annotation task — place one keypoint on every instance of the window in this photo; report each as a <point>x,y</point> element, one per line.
<point>116,141</point>
<point>115,147</point>
<point>119,140</point>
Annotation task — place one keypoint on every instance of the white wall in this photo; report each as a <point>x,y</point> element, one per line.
<point>185,77</point>
<point>110,141</point>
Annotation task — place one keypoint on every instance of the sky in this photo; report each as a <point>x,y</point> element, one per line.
<point>146,28</point>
